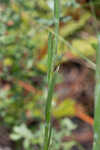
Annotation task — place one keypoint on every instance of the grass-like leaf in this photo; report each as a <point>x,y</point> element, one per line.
<point>48,112</point>
<point>52,55</point>
<point>96,145</point>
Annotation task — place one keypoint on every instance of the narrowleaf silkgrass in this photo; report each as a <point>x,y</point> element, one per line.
<point>96,144</point>
<point>52,55</point>
<point>48,112</point>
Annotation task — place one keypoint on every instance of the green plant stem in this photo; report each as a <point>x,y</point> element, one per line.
<point>96,145</point>
<point>52,54</point>
<point>56,20</point>
<point>48,112</point>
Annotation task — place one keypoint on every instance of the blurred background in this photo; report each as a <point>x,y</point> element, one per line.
<point>24,27</point>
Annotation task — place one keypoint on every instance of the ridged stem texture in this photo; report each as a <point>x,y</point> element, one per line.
<point>52,56</point>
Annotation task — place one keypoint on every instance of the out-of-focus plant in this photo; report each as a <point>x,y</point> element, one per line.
<point>16,109</point>
<point>30,139</point>
<point>34,137</point>
<point>66,125</point>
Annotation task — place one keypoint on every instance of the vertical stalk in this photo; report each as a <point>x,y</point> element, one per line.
<point>52,54</point>
<point>96,144</point>
<point>56,20</point>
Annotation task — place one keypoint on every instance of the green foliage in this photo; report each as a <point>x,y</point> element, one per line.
<point>30,139</point>
<point>14,110</point>
<point>35,136</point>
<point>66,108</point>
